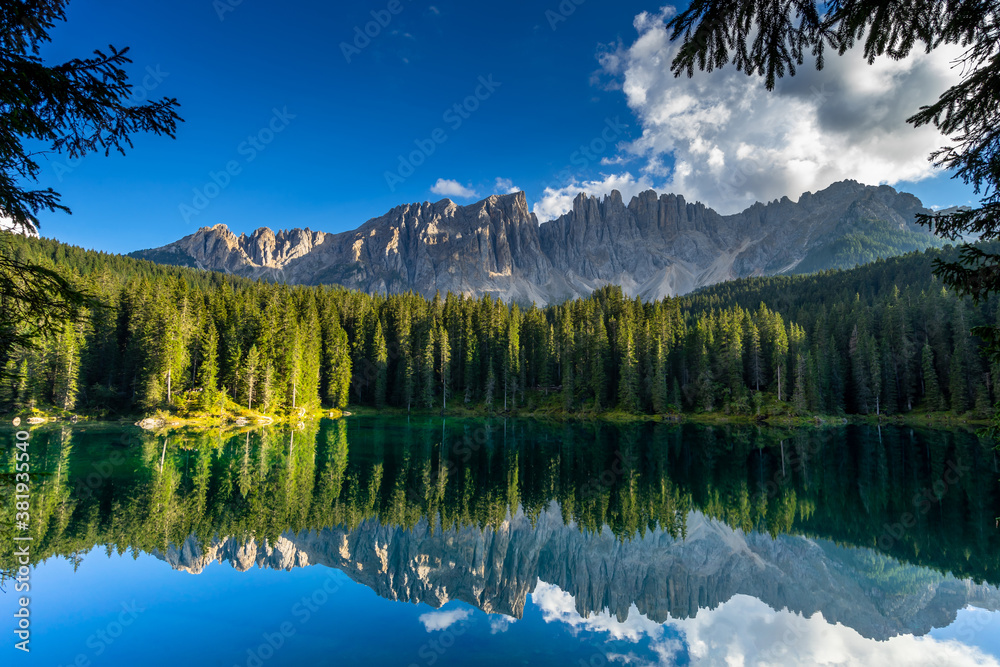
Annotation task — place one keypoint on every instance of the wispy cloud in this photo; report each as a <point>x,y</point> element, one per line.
<point>449,188</point>
<point>505,186</point>
<point>501,624</point>
<point>435,621</point>
<point>745,631</point>
<point>557,201</point>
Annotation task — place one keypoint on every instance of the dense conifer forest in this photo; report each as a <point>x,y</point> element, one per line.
<point>883,338</point>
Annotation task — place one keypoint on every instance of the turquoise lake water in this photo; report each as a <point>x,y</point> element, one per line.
<point>393,541</point>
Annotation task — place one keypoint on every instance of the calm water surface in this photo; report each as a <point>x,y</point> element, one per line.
<point>371,541</point>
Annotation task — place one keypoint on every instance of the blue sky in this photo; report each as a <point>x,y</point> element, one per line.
<point>330,125</point>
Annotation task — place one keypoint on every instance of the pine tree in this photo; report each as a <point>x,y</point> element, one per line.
<point>266,389</point>
<point>337,366</point>
<point>381,366</point>
<point>732,349</point>
<point>208,376</point>
<point>427,380</point>
<point>470,358</point>
<point>598,358</point>
<point>311,351</point>
<point>957,383</point>
<point>512,357</point>
<point>491,383</point>
<point>445,367</point>
<point>659,389</point>
<point>959,371</point>
<point>67,367</point>
<point>231,360</point>
<point>251,369</point>
<point>290,364</point>
<point>756,360</point>
<point>628,381</point>
<point>567,354</point>
<point>799,394</point>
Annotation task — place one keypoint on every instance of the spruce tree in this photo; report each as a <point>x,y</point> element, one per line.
<point>628,379</point>
<point>659,389</point>
<point>755,356</point>
<point>427,380</point>
<point>208,376</point>
<point>251,368</point>
<point>381,366</point>
<point>598,358</point>
<point>445,366</point>
<point>799,399</point>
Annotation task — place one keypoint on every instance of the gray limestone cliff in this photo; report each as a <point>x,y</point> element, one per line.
<point>495,569</point>
<point>654,246</point>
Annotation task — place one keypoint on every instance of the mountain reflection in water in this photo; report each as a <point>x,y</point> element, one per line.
<point>796,541</point>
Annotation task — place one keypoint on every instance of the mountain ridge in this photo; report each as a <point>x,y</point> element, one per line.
<point>655,246</point>
<point>662,576</point>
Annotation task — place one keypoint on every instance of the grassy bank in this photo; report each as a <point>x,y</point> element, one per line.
<point>536,405</point>
<point>772,415</point>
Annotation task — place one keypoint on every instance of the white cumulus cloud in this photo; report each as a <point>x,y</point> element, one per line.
<point>559,606</point>
<point>501,623</point>
<point>505,186</point>
<point>7,225</point>
<point>449,188</point>
<point>557,201</point>
<point>733,142</point>
<point>745,631</point>
<point>435,621</point>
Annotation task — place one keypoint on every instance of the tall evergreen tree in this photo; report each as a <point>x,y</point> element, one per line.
<point>250,371</point>
<point>381,366</point>
<point>208,377</point>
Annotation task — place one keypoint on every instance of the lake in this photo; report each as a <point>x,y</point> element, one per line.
<point>395,541</point>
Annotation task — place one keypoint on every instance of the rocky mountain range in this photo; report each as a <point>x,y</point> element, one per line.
<point>495,569</point>
<point>654,246</point>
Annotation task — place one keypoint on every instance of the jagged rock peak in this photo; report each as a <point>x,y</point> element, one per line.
<point>664,577</point>
<point>655,246</point>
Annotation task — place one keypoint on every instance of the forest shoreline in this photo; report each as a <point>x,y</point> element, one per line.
<point>163,420</point>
